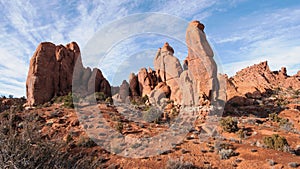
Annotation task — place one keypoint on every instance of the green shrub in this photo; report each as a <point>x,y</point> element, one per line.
<point>86,142</point>
<point>27,148</point>
<point>68,101</point>
<point>179,164</point>
<point>274,117</point>
<point>145,99</point>
<point>100,96</point>
<point>283,122</point>
<point>229,124</point>
<point>109,100</point>
<point>276,142</point>
<point>242,133</point>
<point>227,153</point>
<point>152,115</point>
<point>119,127</point>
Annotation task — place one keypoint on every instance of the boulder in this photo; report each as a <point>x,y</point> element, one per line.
<point>161,91</point>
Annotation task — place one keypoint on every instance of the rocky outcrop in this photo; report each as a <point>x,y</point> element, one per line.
<point>162,91</point>
<point>200,65</point>
<point>51,72</point>
<point>252,81</point>
<point>134,85</point>
<point>168,70</point>
<point>146,82</point>
<point>124,91</point>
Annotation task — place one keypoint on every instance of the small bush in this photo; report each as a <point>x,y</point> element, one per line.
<point>283,122</point>
<point>226,153</point>
<point>86,142</point>
<point>272,162</point>
<point>26,148</point>
<point>274,117</point>
<point>100,96</point>
<point>276,142</point>
<point>229,124</point>
<point>109,100</point>
<point>152,115</point>
<point>294,164</point>
<point>179,164</point>
<point>242,133</point>
<point>119,127</point>
<point>145,99</point>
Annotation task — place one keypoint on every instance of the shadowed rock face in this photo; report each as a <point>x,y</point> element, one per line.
<point>51,73</point>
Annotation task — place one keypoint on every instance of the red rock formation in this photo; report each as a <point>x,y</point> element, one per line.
<point>134,85</point>
<point>257,79</point>
<point>145,82</point>
<point>200,63</point>
<point>168,70</point>
<point>51,72</point>
<point>124,91</point>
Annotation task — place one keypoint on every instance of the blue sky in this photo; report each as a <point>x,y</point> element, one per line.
<point>241,32</point>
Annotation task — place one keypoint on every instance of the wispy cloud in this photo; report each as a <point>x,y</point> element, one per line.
<point>271,35</point>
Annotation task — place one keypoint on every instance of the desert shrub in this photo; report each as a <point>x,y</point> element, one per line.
<point>274,117</point>
<point>10,96</point>
<point>242,133</point>
<point>152,115</point>
<point>26,148</point>
<point>139,100</point>
<point>119,127</point>
<point>68,101</point>
<point>145,99</point>
<point>100,96</point>
<point>179,164</point>
<point>224,150</point>
<point>174,112</point>
<point>276,142</point>
<point>294,164</point>
<point>283,122</point>
<point>218,146</point>
<point>109,100</point>
<point>272,162</point>
<point>229,124</point>
<point>226,153</point>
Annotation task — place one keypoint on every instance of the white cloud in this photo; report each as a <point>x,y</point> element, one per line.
<point>24,24</point>
<point>271,36</point>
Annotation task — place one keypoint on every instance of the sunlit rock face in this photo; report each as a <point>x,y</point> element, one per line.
<point>51,72</point>
<point>168,70</point>
<point>201,71</point>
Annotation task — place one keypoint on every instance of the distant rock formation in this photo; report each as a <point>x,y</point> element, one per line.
<point>51,73</point>
<point>134,85</point>
<point>257,79</point>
